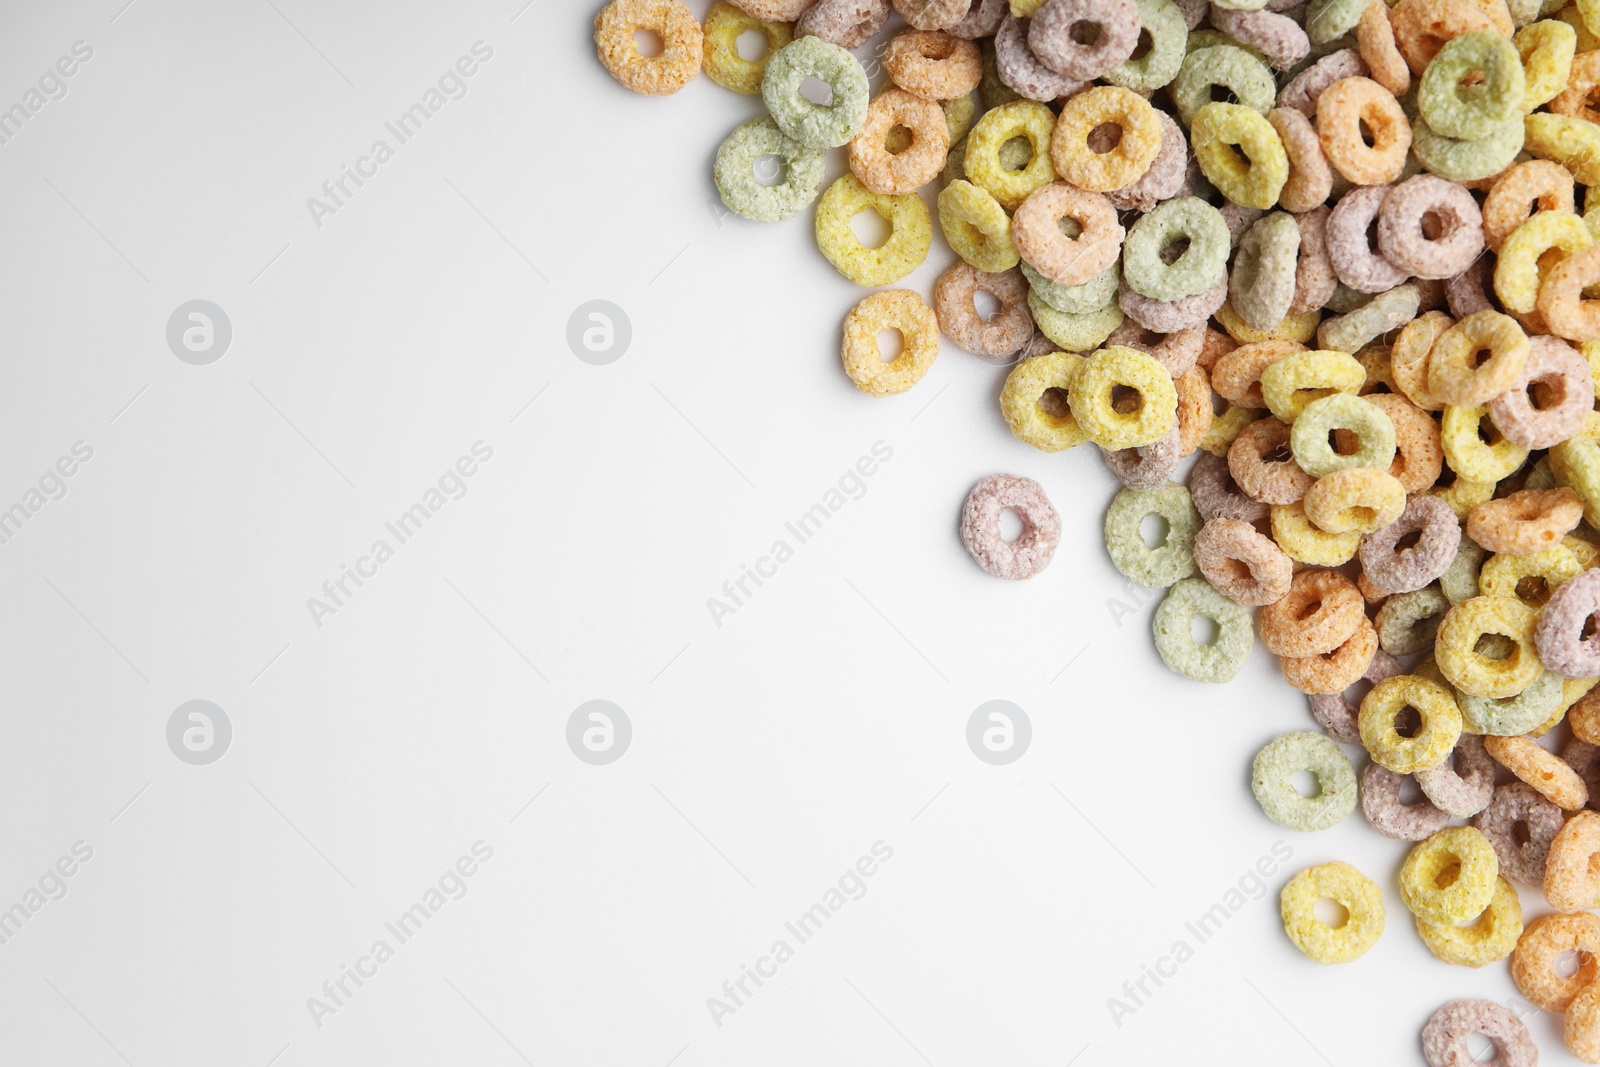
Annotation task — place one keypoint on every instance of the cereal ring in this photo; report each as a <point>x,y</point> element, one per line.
<point>1194,409</point>
<point>1261,285</point>
<point>1409,358</point>
<point>1310,179</point>
<point>1311,435</point>
<point>1540,768</point>
<point>1426,885</point>
<point>1057,25</point>
<point>1225,428</point>
<point>1173,559</point>
<point>1547,49</point>
<point>1518,275</point>
<point>1237,375</point>
<point>1584,758</point>
<point>903,252</point>
<point>1164,178</point>
<point>1193,225</point>
<point>1003,334</point>
<point>1305,543</point>
<point>1561,382</point>
<point>1279,39</point>
<point>1518,806</point>
<point>1074,150</point>
<point>1526,521</point>
<point>993,92</point>
<point>897,173</point>
<point>1511,716</point>
<point>1384,811</point>
<point>1493,936</point>
<point>893,309</point>
<point>934,65</point>
<point>1032,549</point>
<point>1457,377</point>
<point>1352,253</point>
<point>1147,466</point>
<point>1244,565</point>
<point>846,23</point>
<point>1386,312</point>
<point>1153,411</point>
<point>1164,22</point>
<point>1216,495</point>
<point>1092,295</point>
<point>736,180</point>
<point>773,10</point>
<point>1281,758</point>
<point>1474,447</point>
<point>1424,201</point>
<point>1177,352</point>
<point>1315,278</point>
<point>1444,1039</point>
<point>1576,464</point>
<point>1303,90</point>
<point>1328,20</point>
<point>1570,882</point>
<point>1342,109</point>
<point>1461,494</point>
<point>1035,405</point>
<point>982,20</point>
<point>1336,671</point>
<point>1463,160</point>
<point>1393,569</point>
<point>1456,648</point>
<point>1318,613</point>
<point>815,125</point>
<point>1560,636</point>
<point>1454,108</point>
<point>1463,784</point>
<point>1535,186</point>
<point>1245,76</point>
<point>724,65</point>
<point>932,14</point>
<point>1355,892</point>
<point>1240,153</point>
<point>1376,42</point>
<point>1290,383</point>
<point>1533,964</point>
<point>1021,70</point>
<point>1505,575</point>
<point>977,227</point>
<point>1170,316</point>
<point>1339,713</point>
<point>1561,300</point>
<point>683,44</point>
<point>1430,744</point>
<point>1419,453</point>
<point>1356,500</point>
<point>1034,123</point>
<point>1421,27</point>
<point>1572,142</point>
<point>1036,231</point>
<point>1459,582</point>
<point>1270,481</point>
<point>1075,333</point>
<point>1218,661</point>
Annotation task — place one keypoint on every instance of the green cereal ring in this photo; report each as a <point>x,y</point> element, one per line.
<point>959,114</point>
<point>1460,582</point>
<point>1330,19</point>
<point>1164,22</point>
<point>1074,333</point>
<point>1173,559</point>
<point>1310,435</point>
<point>1387,311</point>
<point>1454,109</point>
<point>977,227</point>
<point>1200,266</point>
<point>901,254</point>
<point>735,176</point>
<point>992,92</point>
<point>1080,299</point>
<point>1515,715</point>
<point>1463,160</point>
<point>1407,622</point>
<point>827,125</point>
<point>1216,662</point>
<point>1263,282</point>
<point>988,162</point>
<point>1249,79</point>
<point>1274,766</point>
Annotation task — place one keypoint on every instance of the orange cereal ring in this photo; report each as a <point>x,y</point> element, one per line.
<point>1409,360</point>
<point>683,44</point>
<point>1561,301</point>
<point>1241,563</point>
<point>1376,42</point>
<point>1533,963</point>
<point>889,309</point>
<point>932,64</point>
<point>897,173</point>
<point>1336,671</point>
<point>1542,769</point>
<point>1418,451</point>
<point>1526,521</point>
<point>1079,158</point>
<point>1582,80</point>
<point>1036,231</point>
<point>1318,614</point>
<point>1194,409</point>
<point>1421,27</point>
<point>1342,109</point>
<point>1521,190</point>
<point>1571,875</point>
<point>1237,375</point>
<point>1310,178</point>
<point>1271,481</point>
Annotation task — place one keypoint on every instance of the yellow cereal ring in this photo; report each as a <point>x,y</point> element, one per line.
<point>1409,358</point>
<point>901,254</point>
<point>1575,463</point>
<point>1525,257</point>
<point>724,65</point>
<point>1430,745</point>
<point>1100,172</point>
<point>1464,494</point>
<point>1153,412</point>
<point>1491,937</point>
<point>1240,153</point>
<point>1226,427</point>
<point>1358,894</point>
<point>1547,48</point>
<point>1074,332</point>
<point>892,309</point>
<point>1356,500</point>
<point>1469,455</point>
<point>1035,401</point>
<point>1573,143</point>
<point>1454,374</point>
<point>1503,574</point>
<point>1426,884</point>
<point>1028,119</point>
<point>1298,327</point>
<point>1304,543</point>
<point>1290,383</point>
<point>1455,648</point>
<point>977,227</point>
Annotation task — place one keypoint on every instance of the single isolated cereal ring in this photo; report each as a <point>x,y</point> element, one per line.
<point>1339,713</point>
<point>1243,564</point>
<point>1169,32</point>
<point>1054,35</point>
<point>1246,77</point>
<point>977,227</point>
<point>892,309</point>
<point>1151,410</point>
<point>1533,964</point>
<point>1491,937</point>
<point>1430,744</point>
<point>1561,637</point>
<point>1456,375</point>
<point>1561,300</point>
<point>1035,404</point>
<point>1271,780</point>
<point>1202,237</point>
<point>1271,481</point>
<point>1463,784</point>
<point>901,254</point>
<point>1240,153</point>
<point>1342,109</point>
<point>1517,806</point>
<point>1463,160</point>
<point>1032,549</point>
<point>1318,614</point>
<point>1170,561</point>
<point>1571,877</point>
<point>1444,1039</point>
<point>1427,885</point>
<point>898,173</point>
<point>737,184</point>
<point>1541,769</point>
<point>1336,671</point>
<point>1036,231</point>
<point>815,125</point>
<point>1475,672</point>
<point>846,23</point>
<point>1525,258</point>
<point>1310,437</point>
<point>1022,71</point>
<point>1355,501</point>
<point>683,44</point>
<point>1560,381</point>
<point>724,65</point>
<point>1354,259</point>
<point>1029,120</point>
<point>1456,108</point>
<point>1000,337</point>
<point>1393,569</point>
<point>1298,379</point>
<point>936,66</point>
<point>1355,892</point>
<point>1527,521</point>
<point>1385,813</point>
<point>1261,286</point>
<point>1075,153</point>
<point>1411,209</point>
<point>1218,661</point>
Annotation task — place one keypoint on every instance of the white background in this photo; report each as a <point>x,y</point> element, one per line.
<point>368,754</point>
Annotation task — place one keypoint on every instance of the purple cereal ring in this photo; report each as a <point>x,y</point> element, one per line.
<point>1217,496</point>
<point>1053,36</point>
<point>1406,211</point>
<point>1177,352</point>
<point>1170,316</point>
<point>1463,784</point>
<point>980,526</point>
<point>1314,276</point>
<point>1194,11</point>
<point>932,14</point>
<point>1584,758</point>
<point>1339,713</point>
<point>1444,1039</point>
<point>983,19</point>
<point>1021,70</point>
<point>1565,384</point>
<point>1349,246</point>
<point>846,23</point>
<point>1391,817</point>
<point>1513,804</point>
<point>1559,637</point>
<point>1303,89</point>
<point>1471,290</point>
<point>1391,569</point>
<point>1148,466</point>
<point>1238,219</point>
<point>1278,38</point>
<point>1164,179</point>
<point>1242,563</point>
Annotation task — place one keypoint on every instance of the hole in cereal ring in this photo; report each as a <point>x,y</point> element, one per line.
<point>1308,609</point>
<point>817,91</point>
<point>1448,875</point>
<point>1280,454</point>
<point>648,43</point>
<point>1520,834</point>
<point>1367,137</point>
<point>1410,792</point>
<point>1408,722</point>
<point>1069,226</point>
<point>1364,515</point>
<point>1010,525</point>
<point>1305,783</point>
<point>1533,588</point>
<point>1409,539</point>
<point>1053,402</point>
<point>985,304</point>
<point>1017,150</point>
<point>1174,250</point>
<point>1155,530</point>
<point>1330,913</point>
<point>1432,225</point>
<point>1568,963</point>
<point>871,228</point>
<point>1084,32</point>
<point>1104,138</point>
<point>1343,442</point>
<point>891,343</point>
<point>1203,629</point>
<point>1468,80</point>
<point>769,169</point>
<point>1480,356</point>
<point>1141,48</point>
<point>1590,628</point>
<point>1125,400</point>
<point>1494,646</point>
<point>1546,393</point>
<point>898,139</point>
<point>752,45</point>
<point>1221,94</point>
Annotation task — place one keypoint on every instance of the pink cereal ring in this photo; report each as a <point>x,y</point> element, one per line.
<point>1241,563</point>
<point>1562,381</point>
<point>1349,247</point>
<point>1067,260</point>
<point>1559,636</point>
<point>1404,219</point>
<point>1030,553</point>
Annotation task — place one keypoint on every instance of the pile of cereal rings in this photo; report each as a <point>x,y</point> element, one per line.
<point>1331,250</point>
